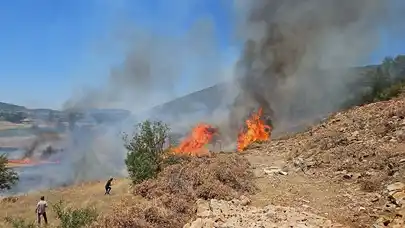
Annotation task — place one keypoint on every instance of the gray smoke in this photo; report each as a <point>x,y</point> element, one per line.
<point>291,65</point>
<point>295,53</point>
<point>154,68</point>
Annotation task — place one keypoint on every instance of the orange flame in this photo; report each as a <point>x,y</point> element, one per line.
<point>194,144</point>
<point>256,131</point>
<point>28,161</point>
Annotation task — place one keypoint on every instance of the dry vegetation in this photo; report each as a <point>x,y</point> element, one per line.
<point>168,201</point>
<point>5,125</point>
<point>83,195</point>
<point>340,167</point>
<point>171,197</point>
<point>367,140</point>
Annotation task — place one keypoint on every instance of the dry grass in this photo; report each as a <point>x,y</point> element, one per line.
<point>4,125</point>
<point>168,201</point>
<point>87,194</point>
<point>171,197</point>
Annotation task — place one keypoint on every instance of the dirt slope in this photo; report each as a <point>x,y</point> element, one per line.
<point>348,170</point>
<point>338,169</point>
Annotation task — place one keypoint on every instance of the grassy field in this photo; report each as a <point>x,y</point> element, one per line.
<point>4,125</point>
<point>82,195</point>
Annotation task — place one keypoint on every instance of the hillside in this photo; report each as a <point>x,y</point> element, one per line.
<point>211,98</point>
<point>346,170</point>
<point>11,107</point>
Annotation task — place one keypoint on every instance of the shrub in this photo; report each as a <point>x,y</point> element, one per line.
<point>19,223</point>
<point>74,218</point>
<point>145,150</point>
<point>8,177</point>
<point>170,198</point>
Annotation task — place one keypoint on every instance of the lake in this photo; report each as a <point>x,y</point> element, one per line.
<point>31,177</point>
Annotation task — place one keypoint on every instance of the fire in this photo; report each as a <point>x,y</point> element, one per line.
<point>194,144</point>
<point>203,134</point>
<point>28,162</point>
<point>255,131</point>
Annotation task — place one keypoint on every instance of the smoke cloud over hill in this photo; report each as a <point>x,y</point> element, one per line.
<point>291,64</point>
<point>289,44</point>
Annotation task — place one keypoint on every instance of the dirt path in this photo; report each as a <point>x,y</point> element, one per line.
<point>339,201</point>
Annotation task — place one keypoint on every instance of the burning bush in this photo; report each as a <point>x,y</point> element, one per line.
<point>171,196</point>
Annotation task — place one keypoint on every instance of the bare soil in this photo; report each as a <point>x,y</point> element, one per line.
<point>338,169</point>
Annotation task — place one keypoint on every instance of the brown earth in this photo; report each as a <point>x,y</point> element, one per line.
<point>339,170</point>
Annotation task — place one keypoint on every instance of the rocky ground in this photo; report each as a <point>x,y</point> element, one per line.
<point>349,169</point>
<point>237,214</point>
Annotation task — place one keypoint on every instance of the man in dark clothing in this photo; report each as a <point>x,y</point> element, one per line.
<point>108,187</point>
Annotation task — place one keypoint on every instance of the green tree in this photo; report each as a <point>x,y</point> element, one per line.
<point>8,177</point>
<point>145,149</point>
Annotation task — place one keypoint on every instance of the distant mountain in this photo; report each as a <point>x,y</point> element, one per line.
<point>11,107</point>
<point>211,98</point>
<point>206,100</point>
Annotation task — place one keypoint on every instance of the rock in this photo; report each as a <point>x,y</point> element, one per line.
<point>399,198</point>
<point>244,200</point>
<point>274,170</point>
<point>395,187</point>
<point>282,172</point>
<point>348,176</point>
<point>375,197</point>
<point>219,208</point>
<point>389,207</point>
<point>198,223</point>
<point>228,214</point>
<point>400,134</point>
<point>203,208</point>
<point>201,223</point>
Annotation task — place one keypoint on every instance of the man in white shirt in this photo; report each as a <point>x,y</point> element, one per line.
<point>41,210</point>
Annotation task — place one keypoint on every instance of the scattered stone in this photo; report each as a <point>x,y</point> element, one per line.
<point>375,197</point>
<point>395,187</point>
<point>389,207</point>
<point>228,214</point>
<point>203,208</point>
<point>244,200</point>
<point>398,198</point>
<point>274,170</point>
<point>348,176</point>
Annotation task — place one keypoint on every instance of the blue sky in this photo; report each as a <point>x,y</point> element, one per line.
<point>49,48</point>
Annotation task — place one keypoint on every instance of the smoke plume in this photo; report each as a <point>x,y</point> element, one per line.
<point>291,65</point>
<point>295,53</point>
<point>155,66</point>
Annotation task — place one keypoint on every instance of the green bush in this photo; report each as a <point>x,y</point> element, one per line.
<point>8,177</point>
<point>382,82</point>
<point>19,223</point>
<point>145,150</point>
<point>74,218</point>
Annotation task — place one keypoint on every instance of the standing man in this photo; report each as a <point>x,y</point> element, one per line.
<point>41,210</point>
<point>108,186</point>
